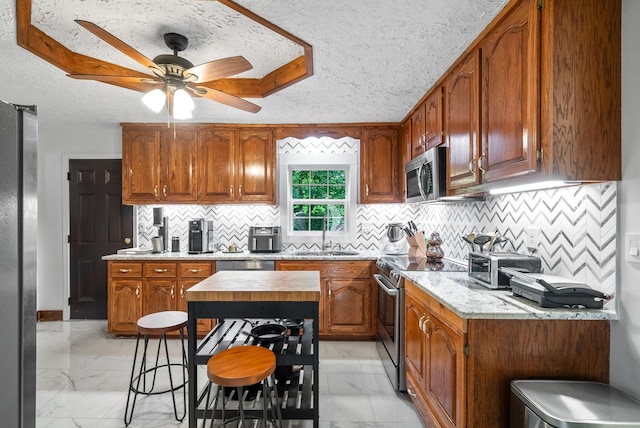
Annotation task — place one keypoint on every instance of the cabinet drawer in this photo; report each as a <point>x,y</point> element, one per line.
<point>156,270</point>
<point>125,270</point>
<point>447,316</point>
<point>195,270</point>
<point>349,270</point>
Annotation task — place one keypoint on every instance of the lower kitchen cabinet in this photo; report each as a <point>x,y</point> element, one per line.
<point>140,288</point>
<point>459,369</point>
<point>346,297</point>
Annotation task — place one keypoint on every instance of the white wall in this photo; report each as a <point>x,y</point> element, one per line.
<point>625,333</point>
<point>55,147</point>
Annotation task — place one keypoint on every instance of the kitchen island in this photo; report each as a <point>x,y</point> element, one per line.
<point>232,295</point>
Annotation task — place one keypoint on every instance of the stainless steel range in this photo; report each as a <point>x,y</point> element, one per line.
<point>390,317</point>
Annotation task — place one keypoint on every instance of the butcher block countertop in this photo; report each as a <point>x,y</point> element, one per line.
<point>257,286</point>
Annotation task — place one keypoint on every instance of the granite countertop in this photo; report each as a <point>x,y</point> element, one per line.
<point>469,300</point>
<point>242,255</point>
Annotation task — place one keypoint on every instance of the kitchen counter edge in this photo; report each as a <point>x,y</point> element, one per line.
<point>469,300</point>
<point>243,255</point>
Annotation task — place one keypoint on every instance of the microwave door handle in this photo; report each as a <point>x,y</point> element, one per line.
<point>390,290</point>
<point>421,171</point>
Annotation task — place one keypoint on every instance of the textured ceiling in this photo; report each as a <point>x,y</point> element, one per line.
<point>373,59</point>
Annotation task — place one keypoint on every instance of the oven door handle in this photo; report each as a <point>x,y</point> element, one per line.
<point>388,289</point>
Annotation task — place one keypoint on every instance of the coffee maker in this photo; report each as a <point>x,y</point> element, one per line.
<point>160,242</point>
<point>201,236</point>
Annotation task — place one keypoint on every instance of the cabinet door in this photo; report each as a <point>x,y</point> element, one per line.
<point>405,145</point>
<point>216,164</point>
<point>179,165</point>
<point>415,341</point>
<point>433,119</point>
<point>140,165</point>
<point>510,65</point>
<point>380,165</point>
<point>418,131</point>
<point>158,295</point>
<point>444,372</point>
<point>255,162</point>
<point>125,305</point>
<point>203,324</point>
<point>462,121</point>
<point>349,306</point>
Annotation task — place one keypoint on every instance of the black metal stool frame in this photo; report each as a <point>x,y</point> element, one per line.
<point>267,390</point>
<point>142,375</point>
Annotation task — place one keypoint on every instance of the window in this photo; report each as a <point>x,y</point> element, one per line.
<point>315,188</point>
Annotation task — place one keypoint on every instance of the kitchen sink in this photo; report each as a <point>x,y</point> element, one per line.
<point>326,253</point>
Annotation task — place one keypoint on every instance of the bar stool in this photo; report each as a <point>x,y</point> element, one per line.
<point>157,324</point>
<point>241,367</point>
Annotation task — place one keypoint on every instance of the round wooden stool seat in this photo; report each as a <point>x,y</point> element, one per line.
<point>241,366</point>
<point>162,322</point>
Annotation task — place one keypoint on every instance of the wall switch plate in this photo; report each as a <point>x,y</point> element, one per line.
<point>366,227</point>
<point>632,247</point>
<point>532,237</point>
<point>142,228</point>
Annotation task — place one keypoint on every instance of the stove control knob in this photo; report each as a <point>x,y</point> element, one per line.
<point>395,275</point>
<point>380,264</point>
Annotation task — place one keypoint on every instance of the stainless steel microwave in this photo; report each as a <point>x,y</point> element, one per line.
<point>426,176</point>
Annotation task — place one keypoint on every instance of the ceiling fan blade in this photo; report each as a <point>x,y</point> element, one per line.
<point>224,98</point>
<point>219,68</point>
<point>116,79</point>
<point>117,43</point>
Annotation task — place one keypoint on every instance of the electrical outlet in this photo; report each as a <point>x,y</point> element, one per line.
<point>532,237</point>
<point>366,227</point>
<point>142,228</point>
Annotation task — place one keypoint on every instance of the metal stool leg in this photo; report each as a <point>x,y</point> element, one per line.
<point>163,339</point>
<point>127,416</point>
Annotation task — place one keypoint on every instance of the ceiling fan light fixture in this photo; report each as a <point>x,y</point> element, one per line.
<point>155,100</point>
<point>182,105</point>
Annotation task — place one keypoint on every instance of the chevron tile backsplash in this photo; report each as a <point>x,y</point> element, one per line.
<point>577,224</point>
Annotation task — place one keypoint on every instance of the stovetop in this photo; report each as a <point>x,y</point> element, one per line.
<point>406,263</point>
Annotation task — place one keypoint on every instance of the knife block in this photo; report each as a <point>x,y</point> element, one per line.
<point>417,246</point>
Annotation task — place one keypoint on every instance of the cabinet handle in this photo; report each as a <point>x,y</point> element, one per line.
<point>366,190</point>
<point>240,190</point>
<point>329,291</point>
<point>137,291</point>
<point>164,190</point>
<point>125,270</point>
<point>420,322</point>
<point>471,168</point>
<point>231,190</point>
<point>424,325</point>
<point>158,270</point>
<point>196,270</point>
<point>172,291</point>
<point>411,393</point>
<point>480,163</point>
<point>182,291</point>
<point>155,190</point>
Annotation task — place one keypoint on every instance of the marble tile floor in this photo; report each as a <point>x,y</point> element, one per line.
<point>83,373</point>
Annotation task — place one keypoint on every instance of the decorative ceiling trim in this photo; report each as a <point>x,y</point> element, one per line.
<point>52,51</point>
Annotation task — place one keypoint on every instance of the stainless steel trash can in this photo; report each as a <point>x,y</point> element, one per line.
<point>571,404</point>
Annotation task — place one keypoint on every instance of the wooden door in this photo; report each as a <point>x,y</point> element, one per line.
<point>98,224</point>
<point>349,306</point>
<point>510,90</point>
<point>462,121</point>
<point>140,165</point>
<point>418,131</point>
<point>255,162</point>
<point>433,119</point>
<point>179,174</point>
<point>380,166</point>
<point>216,165</point>
<point>415,341</point>
<point>125,305</point>
<point>444,372</point>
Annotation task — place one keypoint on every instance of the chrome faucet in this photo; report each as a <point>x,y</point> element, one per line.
<point>324,234</point>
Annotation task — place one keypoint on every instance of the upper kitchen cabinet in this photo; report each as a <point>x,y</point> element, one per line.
<point>433,131</point>
<point>159,165</point>
<point>548,98</point>
<point>462,122</point>
<point>237,165</point>
<point>380,165</point>
<point>417,130</point>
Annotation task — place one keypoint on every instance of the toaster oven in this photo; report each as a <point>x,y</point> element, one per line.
<point>485,268</point>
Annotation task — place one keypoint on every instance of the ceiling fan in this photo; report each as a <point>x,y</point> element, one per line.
<point>175,76</point>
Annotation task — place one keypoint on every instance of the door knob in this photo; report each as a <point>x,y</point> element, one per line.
<point>127,240</point>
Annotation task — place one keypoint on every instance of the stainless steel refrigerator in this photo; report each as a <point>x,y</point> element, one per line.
<point>18,230</point>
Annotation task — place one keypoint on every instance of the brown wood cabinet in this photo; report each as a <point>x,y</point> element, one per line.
<point>347,297</point>
<point>459,370</point>
<point>204,164</point>
<point>418,126</point>
<point>159,166</point>
<point>140,288</point>
<point>380,170</point>
<point>433,125</point>
<point>462,122</point>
